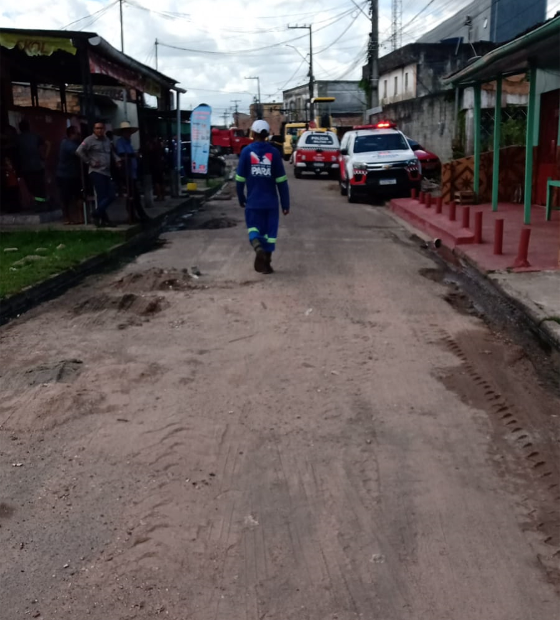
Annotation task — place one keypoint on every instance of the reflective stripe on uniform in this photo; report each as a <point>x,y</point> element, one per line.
<point>250,230</point>
<point>270,239</point>
<point>282,179</point>
<point>241,179</point>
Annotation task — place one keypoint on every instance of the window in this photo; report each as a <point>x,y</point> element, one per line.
<point>380,142</point>
<point>324,140</point>
<point>406,82</point>
<point>384,89</point>
<point>396,85</point>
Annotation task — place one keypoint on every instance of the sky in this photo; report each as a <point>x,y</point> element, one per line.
<point>226,41</point>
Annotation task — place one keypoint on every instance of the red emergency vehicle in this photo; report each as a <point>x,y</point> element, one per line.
<point>229,141</point>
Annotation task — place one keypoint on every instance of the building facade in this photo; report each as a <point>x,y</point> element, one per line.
<point>413,94</point>
<point>489,20</point>
<point>348,107</point>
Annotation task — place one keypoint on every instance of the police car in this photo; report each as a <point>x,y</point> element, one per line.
<point>377,160</point>
<point>317,152</point>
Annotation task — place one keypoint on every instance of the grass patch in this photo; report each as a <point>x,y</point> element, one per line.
<point>211,183</point>
<point>58,250</point>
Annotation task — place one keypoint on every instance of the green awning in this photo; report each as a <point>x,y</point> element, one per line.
<point>539,48</point>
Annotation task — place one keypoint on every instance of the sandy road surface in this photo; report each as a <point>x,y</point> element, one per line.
<point>333,442</point>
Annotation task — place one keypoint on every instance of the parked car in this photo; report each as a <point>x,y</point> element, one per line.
<point>317,152</point>
<point>216,162</point>
<point>377,160</point>
<point>429,162</point>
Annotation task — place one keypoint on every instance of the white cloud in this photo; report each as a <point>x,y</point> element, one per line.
<point>227,26</point>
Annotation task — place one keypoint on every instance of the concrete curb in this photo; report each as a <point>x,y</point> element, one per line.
<point>139,238</point>
<point>547,331</point>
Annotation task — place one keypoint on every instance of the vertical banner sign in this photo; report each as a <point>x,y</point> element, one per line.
<point>200,138</point>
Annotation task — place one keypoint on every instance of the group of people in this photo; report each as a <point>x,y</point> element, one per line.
<point>108,161</point>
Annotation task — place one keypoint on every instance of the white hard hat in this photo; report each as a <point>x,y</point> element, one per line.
<point>260,126</point>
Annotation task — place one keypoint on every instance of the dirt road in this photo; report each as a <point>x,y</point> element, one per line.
<point>335,441</point>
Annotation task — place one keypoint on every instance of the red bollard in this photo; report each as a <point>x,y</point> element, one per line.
<point>428,201</point>
<point>466,217</point>
<point>452,211</point>
<point>422,198</point>
<point>439,204</point>
<point>523,251</point>
<point>478,227</point>
<point>498,237</point>
<point>413,193</point>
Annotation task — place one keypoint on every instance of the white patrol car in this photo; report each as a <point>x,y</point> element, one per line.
<point>377,160</point>
<point>317,151</point>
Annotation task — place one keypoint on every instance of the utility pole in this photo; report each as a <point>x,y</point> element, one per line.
<point>236,113</point>
<point>311,79</point>
<point>122,28</point>
<point>373,56</point>
<point>396,30</point>
<point>156,54</point>
<point>225,115</point>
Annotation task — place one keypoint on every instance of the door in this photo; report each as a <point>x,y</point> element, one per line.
<point>546,164</point>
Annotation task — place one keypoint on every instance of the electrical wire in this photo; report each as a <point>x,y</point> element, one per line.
<point>169,15</point>
<point>339,36</point>
<point>251,51</point>
<point>88,17</point>
<point>292,77</point>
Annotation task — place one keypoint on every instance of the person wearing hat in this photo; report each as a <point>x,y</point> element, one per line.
<point>126,151</point>
<point>262,170</point>
<point>96,151</point>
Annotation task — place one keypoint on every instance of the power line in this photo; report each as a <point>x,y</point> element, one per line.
<point>292,77</point>
<point>339,37</point>
<point>88,17</point>
<point>257,49</point>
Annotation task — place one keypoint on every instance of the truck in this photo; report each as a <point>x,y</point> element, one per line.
<point>229,141</point>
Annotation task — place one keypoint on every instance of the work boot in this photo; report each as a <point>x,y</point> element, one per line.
<point>269,268</point>
<point>261,264</point>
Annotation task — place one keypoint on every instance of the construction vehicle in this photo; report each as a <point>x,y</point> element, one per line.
<point>323,119</point>
<point>290,133</point>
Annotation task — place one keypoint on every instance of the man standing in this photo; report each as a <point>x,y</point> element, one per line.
<point>126,152</point>
<point>68,175</point>
<point>33,151</point>
<point>262,169</point>
<point>96,151</point>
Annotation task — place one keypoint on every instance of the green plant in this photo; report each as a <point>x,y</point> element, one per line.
<point>514,132</point>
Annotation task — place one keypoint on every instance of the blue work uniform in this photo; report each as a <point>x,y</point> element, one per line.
<point>261,168</point>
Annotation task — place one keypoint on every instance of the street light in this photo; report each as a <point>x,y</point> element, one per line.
<point>259,112</point>
<point>311,79</point>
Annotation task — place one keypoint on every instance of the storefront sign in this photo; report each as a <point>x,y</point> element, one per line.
<point>36,46</point>
<point>200,138</point>
<point>102,66</point>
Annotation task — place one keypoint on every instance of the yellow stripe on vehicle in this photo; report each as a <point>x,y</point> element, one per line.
<point>282,179</point>
<point>240,179</point>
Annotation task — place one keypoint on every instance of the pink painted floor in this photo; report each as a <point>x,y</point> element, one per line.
<point>544,245</point>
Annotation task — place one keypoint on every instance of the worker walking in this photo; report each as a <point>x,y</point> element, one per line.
<point>262,169</point>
